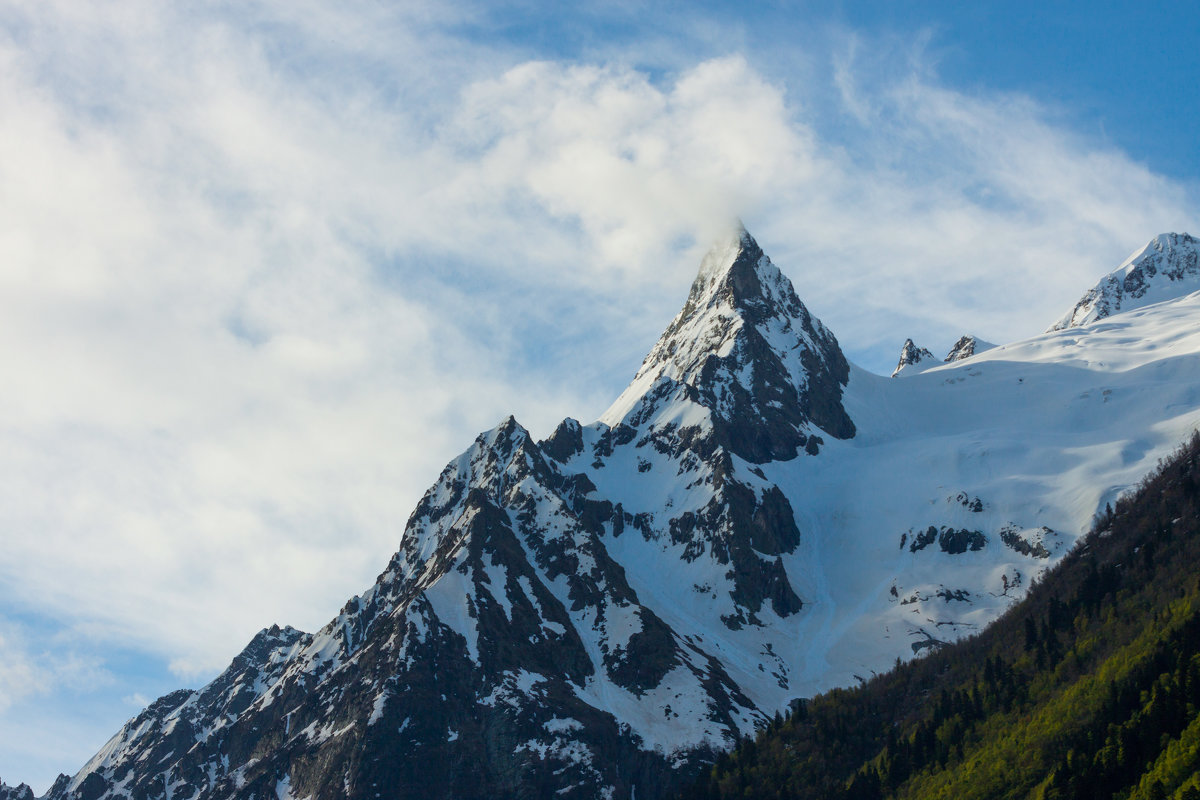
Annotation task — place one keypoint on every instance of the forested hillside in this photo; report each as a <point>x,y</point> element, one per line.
<point>1089,688</point>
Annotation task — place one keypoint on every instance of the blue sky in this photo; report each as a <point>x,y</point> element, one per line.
<point>268,267</point>
<point>1121,72</point>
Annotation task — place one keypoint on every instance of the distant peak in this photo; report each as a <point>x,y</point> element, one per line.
<point>963,348</point>
<point>910,357</point>
<point>1167,267</point>
<point>966,347</point>
<point>506,437</point>
<point>1170,240</point>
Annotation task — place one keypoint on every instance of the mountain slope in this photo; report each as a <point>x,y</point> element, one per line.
<point>473,668</point>
<point>598,613</point>
<point>1089,688</point>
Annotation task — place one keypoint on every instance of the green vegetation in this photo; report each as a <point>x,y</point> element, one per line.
<point>1089,688</point>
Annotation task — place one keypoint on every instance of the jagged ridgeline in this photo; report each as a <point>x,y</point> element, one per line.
<point>1089,688</point>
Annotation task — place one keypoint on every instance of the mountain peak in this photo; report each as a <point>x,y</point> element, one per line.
<point>746,349</point>
<point>1167,267</point>
<point>911,356</point>
<point>967,346</point>
<point>736,272</point>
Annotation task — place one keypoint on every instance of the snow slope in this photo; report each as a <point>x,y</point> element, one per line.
<point>1043,432</point>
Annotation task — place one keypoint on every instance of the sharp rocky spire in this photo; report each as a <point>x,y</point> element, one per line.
<point>745,348</point>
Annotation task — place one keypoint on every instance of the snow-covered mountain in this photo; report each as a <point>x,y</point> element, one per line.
<point>753,520</point>
<point>1167,267</point>
<point>966,347</point>
<point>913,359</point>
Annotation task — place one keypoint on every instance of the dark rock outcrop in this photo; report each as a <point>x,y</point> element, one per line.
<point>911,356</point>
<point>966,347</point>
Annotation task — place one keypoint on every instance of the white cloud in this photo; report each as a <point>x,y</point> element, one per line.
<point>265,270</point>
<point>137,700</point>
<point>19,675</point>
<point>636,165</point>
<point>28,671</point>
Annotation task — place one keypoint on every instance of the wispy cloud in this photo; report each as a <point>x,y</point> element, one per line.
<point>28,670</point>
<point>20,676</point>
<point>937,212</point>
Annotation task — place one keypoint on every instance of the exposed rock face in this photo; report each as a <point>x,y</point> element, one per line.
<point>1166,268</point>
<point>963,348</point>
<point>951,540</point>
<point>1037,542</point>
<point>966,347</point>
<point>912,356</point>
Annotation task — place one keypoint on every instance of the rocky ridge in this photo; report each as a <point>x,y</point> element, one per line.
<point>21,791</point>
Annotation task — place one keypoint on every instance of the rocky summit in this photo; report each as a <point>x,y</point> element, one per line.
<point>768,374</point>
<point>913,359</point>
<point>1165,268</point>
<point>966,347</point>
<point>600,613</point>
